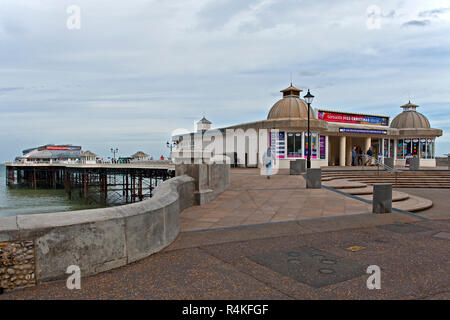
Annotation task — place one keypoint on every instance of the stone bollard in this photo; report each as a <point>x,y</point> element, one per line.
<point>297,167</point>
<point>313,178</point>
<point>389,162</point>
<point>382,198</point>
<point>414,164</point>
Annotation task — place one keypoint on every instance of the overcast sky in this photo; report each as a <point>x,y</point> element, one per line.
<point>136,70</point>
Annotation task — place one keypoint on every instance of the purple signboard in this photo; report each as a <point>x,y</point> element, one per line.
<point>322,147</point>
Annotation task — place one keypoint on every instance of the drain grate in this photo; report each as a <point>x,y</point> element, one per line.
<point>310,266</point>
<point>404,228</point>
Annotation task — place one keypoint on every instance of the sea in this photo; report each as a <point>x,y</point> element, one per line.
<point>19,201</point>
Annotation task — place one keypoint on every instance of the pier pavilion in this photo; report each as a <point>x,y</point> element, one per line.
<point>333,136</point>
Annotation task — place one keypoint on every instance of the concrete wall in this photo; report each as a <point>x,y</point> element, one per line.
<point>95,240</point>
<point>210,179</point>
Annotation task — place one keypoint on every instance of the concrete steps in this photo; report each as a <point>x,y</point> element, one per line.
<point>401,179</point>
<point>400,200</point>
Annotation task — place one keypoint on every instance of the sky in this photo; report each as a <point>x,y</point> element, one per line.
<point>135,71</point>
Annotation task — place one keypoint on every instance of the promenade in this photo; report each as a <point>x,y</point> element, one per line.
<point>274,239</point>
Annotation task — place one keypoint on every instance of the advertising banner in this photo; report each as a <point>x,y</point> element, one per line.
<point>366,131</point>
<point>353,118</point>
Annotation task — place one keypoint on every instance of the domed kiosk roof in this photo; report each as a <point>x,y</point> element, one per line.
<point>291,106</point>
<point>410,118</point>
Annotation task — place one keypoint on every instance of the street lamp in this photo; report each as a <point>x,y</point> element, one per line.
<point>309,99</point>
<point>114,151</point>
<point>170,146</point>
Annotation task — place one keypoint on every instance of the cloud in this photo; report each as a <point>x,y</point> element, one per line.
<point>416,23</point>
<point>138,70</point>
<point>435,13</point>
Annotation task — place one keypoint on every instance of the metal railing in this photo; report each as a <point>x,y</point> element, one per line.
<point>379,163</point>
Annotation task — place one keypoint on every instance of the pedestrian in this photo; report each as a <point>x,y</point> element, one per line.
<point>162,157</point>
<point>360,156</point>
<point>269,160</point>
<point>354,156</point>
<point>370,156</point>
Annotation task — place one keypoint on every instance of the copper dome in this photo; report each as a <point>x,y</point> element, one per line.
<point>410,118</point>
<point>291,106</point>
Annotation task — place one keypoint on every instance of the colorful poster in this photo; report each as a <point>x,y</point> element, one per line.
<point>277,143</point>
<point>353,118</point>
<point>322,145</point>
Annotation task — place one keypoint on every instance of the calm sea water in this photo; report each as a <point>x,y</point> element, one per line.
<point>27,201</point>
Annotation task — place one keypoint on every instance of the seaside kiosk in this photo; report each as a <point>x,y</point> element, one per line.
<point>333,136</point>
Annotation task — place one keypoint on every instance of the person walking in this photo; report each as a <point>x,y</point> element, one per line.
<point>268,159</point>
<point>370,156</point>
<point>354,156</point>
<point>360,156</point>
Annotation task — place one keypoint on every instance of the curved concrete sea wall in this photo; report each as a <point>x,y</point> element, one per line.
<point>39,248</point>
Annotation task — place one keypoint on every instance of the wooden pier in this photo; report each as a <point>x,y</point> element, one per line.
<point>106,184</point>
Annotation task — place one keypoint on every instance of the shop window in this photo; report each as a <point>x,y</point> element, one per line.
<point>391,148</point>
<point>386,148</point>
<point>294,144</point>
<point>423,149</point>
<point>415,147</point>
<point>313,145</point>
<point>401,149</point>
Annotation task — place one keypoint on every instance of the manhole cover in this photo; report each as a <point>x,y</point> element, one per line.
<point>293,254</point>
<point>404,228</point>
<point>310,266</point>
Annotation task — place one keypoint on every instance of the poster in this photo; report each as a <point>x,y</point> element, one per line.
<point>353,118</point>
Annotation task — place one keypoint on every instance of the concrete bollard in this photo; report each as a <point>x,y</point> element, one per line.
<point>313,178</point>
<point>414,164</point>
<point>297,167</point>
<point>382,198</point>
<point>389,162</point>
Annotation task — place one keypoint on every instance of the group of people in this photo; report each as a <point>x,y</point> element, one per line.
<point>358,157</point>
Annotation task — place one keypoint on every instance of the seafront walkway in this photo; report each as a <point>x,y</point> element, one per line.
<point>275,239</point>
<point>254,199</point>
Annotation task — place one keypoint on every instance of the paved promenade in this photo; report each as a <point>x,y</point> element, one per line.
<point>254,199</point>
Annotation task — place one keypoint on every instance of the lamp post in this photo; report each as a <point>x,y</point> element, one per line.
<point>170,146</point>
<point>309,98</point>
<point>114,151</point>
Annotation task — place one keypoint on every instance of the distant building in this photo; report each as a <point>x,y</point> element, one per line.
<point>88,157</point>
<point>51,153</point>
<point>333,136</point>
<point>140,156</point>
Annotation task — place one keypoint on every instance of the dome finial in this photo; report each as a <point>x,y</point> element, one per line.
<point>291,91</point>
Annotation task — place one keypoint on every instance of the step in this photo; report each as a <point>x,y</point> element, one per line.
<point>413,204</point>
<point>344,184</point>
<point>396,196</point>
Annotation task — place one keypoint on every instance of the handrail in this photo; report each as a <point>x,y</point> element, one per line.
<point>380,163</point>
